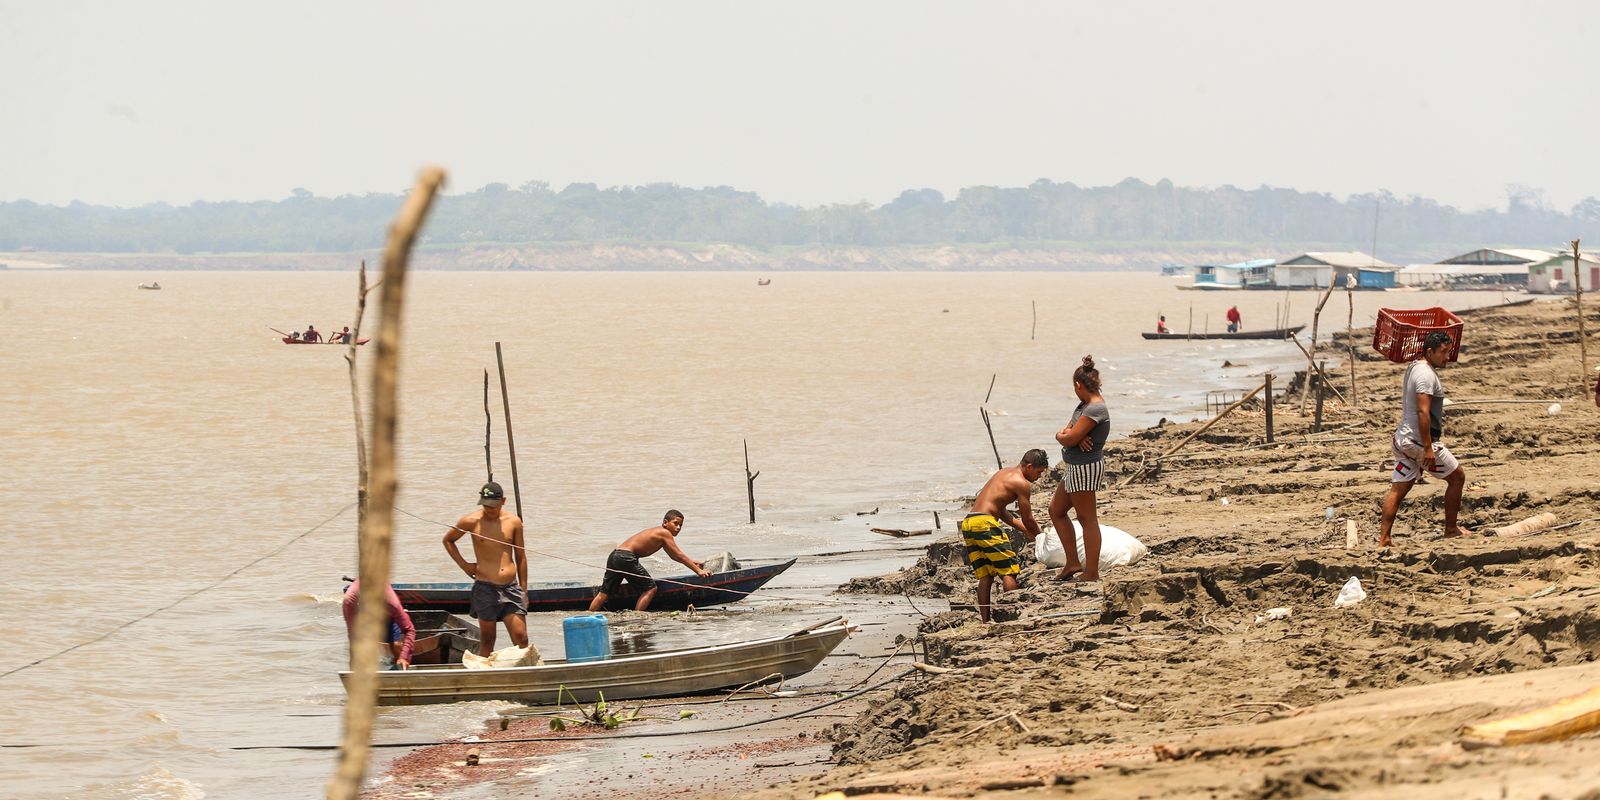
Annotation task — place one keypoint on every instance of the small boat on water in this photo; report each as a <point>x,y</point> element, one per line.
<point>669,673</point>
<point>716,589</point>
<point>763,281</point>
<point>150,285</point>
<point>292,340</point>
<point>1271,333</point>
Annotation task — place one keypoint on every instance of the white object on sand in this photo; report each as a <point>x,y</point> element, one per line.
<point>1554,409</point>
<point>1272,614</point>
<point>1351,594</point>
<point>1117,547</point>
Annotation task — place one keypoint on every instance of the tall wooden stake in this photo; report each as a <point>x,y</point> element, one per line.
<point>1269,407</point>
<point>1034,331</point>
<point>1350,335</point>
<point>511,442</point>
<point>488,428</point>
<point>998,464</point>
<point>1577,298</point>
<point>750,481</point>
<point>1190,334</point>
<point>1311,355</point>
<point>378,528</point>
<point>355,398</point>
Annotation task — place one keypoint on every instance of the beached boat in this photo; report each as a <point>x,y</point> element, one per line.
<point>154,285</point>
<point>715,589</point>
<point>292,340</point>
<point>1272,333</point>
<point>696,670</point>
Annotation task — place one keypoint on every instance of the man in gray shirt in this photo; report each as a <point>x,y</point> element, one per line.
<point>1417,450</point>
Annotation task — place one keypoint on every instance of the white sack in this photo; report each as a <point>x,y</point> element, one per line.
<point>1351,594</point>
<point>504,657</point>
<point>1117,547</point>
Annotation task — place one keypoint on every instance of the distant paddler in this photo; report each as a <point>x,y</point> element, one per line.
<point>623,563</point>
<point>989,550</point>
<point>500,574</point>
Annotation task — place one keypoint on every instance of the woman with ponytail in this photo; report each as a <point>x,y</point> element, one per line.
<point>1083,474</point>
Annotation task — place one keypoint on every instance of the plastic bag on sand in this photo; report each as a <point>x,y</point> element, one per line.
<point>505,657</point>
<point>1117,547</point>
<point>721,562</point>
<point>1351,594</point>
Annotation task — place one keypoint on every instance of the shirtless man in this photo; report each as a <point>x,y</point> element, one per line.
<point>501,571</point>
<point>989,550</point>
<point>624,561</point>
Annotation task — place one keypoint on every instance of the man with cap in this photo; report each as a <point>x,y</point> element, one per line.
<point>501,571</point>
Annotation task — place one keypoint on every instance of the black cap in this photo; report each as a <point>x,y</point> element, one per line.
<point>491,494</point>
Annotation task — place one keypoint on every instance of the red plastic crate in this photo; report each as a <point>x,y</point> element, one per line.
<point>1400,332</point>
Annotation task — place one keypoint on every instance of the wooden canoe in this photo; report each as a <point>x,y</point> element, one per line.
<point>669,673</point>
<point>1272,333</point>
<point>717,589</point>
<point>292,340</point>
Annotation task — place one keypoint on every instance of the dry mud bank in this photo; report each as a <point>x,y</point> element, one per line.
<point>1162,681</point>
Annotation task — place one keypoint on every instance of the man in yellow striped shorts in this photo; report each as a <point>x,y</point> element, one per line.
<point>989,550</point>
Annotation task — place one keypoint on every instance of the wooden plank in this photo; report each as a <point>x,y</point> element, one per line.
<point>1563,719</point>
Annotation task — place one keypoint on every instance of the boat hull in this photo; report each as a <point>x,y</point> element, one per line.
<point>666,674</point>
<point>714,590</point>
<point>1275,333</point>
<point>290,340</point>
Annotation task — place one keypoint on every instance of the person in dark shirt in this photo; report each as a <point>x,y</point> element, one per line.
<point>1083,474</point>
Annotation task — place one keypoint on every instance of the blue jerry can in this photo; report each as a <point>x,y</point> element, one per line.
<point>587,637</point>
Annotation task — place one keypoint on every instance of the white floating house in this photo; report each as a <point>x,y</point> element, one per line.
<point>1318,270</point>
<point>1243,275</point>
<point>1555,274</point>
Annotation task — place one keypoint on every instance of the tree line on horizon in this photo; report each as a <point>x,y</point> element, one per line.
<point>1129,212</point>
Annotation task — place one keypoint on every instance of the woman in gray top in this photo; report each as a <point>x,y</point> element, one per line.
<point>1083,444</point>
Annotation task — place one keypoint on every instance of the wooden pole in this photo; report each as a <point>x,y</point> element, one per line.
<point>1190,334</point>
<point>750,481</point>
<point>1316,369</point>
<point>1191,437</point>
<point>998,464</point>
<point>1269,407</point>
<point>1350,335</point>
<point>376,534</point>
<point>511,441</point>
<point>488,428</point>
<point>1583,336</point>
<point>355,398</point>
<point>1311,355</point>
<point>990,393</point>
<point>1033,333</point>
<point>1321,381</point>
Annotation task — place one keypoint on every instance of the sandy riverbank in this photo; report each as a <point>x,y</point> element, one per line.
<point>1165,684</point>
<point>1170,687</point>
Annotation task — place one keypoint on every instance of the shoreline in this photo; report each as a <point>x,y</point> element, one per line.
<point>1172,686</point>
<point>926,733</point>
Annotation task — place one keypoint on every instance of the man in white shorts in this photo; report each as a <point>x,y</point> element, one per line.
<point>1417,450</point>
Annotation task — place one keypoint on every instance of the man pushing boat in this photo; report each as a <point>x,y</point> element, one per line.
<point>623,564</point>
<point>500,575</point>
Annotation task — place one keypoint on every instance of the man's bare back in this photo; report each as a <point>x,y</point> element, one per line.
<point>1005,487</point>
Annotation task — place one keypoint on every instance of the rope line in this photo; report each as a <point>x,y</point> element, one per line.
<point>219,582</point>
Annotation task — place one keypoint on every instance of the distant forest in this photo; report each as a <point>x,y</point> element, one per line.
<point>1131,211</point>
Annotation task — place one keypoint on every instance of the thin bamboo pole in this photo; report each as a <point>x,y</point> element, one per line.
<point>998,464</point>
<point>1350,337</point>
<point>1583,337</point>
<point>1318,371</point>
<point>750,481</point>
<point>1191,437</point>
<point>488,429</point>
<point>1311,355</point>
<point>356,743</point>
<point>511,441</point>
<point>355,397</point>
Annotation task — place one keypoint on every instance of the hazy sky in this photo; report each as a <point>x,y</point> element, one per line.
<point>803,101</point>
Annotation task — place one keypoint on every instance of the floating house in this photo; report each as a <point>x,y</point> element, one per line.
<point>1555,274</point>
<point>1319,270</point>
<point>1243,275</point>
<point>1464,276</point>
